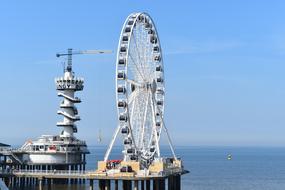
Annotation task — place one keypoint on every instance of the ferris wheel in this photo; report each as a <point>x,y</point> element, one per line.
<point>140,89</point>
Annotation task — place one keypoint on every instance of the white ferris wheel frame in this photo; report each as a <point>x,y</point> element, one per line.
<point>140,89</point>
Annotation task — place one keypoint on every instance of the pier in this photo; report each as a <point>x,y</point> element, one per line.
<point>127,181</point>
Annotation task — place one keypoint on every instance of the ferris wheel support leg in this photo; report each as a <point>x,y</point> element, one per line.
<point>167,134</point>
<point>169,141</point>
<point>112,143</point>
<point>157,143</point>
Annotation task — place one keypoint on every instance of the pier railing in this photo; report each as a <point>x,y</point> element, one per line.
<point>58,172</point>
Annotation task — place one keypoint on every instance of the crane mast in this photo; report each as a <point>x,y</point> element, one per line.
<point>71,52</point>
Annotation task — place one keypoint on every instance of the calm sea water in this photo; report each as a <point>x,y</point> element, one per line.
<point>250,168</point>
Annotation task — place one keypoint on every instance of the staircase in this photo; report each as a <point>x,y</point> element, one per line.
<point>12,156</point>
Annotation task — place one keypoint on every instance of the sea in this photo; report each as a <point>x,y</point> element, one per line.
<point>251,168</point>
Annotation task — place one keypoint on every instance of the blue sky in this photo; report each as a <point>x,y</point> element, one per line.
<point>224,64</point>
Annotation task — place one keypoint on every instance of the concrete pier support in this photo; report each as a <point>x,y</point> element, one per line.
<point>162,184</point>
<point>136,185</point>
<point>107,184</point>
<point>40,183</point>
<point>130,185</point>
<point>147,184</point>
<point>75,169</point>
<point>178,182</point>
<point>71,169</point>
<point>127,185</point>
<point>91,184</point>
<point>49,184</point>
<point>142,184</point>
<point>84,165</point>
<point>154,184</point>
<point>12,181</point>
<point>33,179</point>
<point>102,184</point>
<point>80,169</point>
<point>124,184</point>
<point>170,183</point>
<point>116,185</point>
<point>174,182</point>
<point>158,184</point>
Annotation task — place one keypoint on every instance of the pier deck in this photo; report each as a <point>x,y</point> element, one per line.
<point>90,174</point>
<point>104,179</point>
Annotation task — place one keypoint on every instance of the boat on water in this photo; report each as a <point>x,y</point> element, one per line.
<point>229,157</point>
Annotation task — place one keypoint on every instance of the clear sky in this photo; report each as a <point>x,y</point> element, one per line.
<point>224,64</point>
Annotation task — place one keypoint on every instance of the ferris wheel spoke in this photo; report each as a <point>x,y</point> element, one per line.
<point>134,82</point>
<point>138,51</point>
<point>144,121</point>
<point>145,54</point>
<point>136,120</point>
<point>136,66</point>
<point>131,124</point>
<point>132,97</point>
<point>150,60</point>
<point>132,110</point>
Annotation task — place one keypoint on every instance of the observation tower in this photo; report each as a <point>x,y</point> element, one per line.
<point>63,151</point>
<point>67,86</point>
